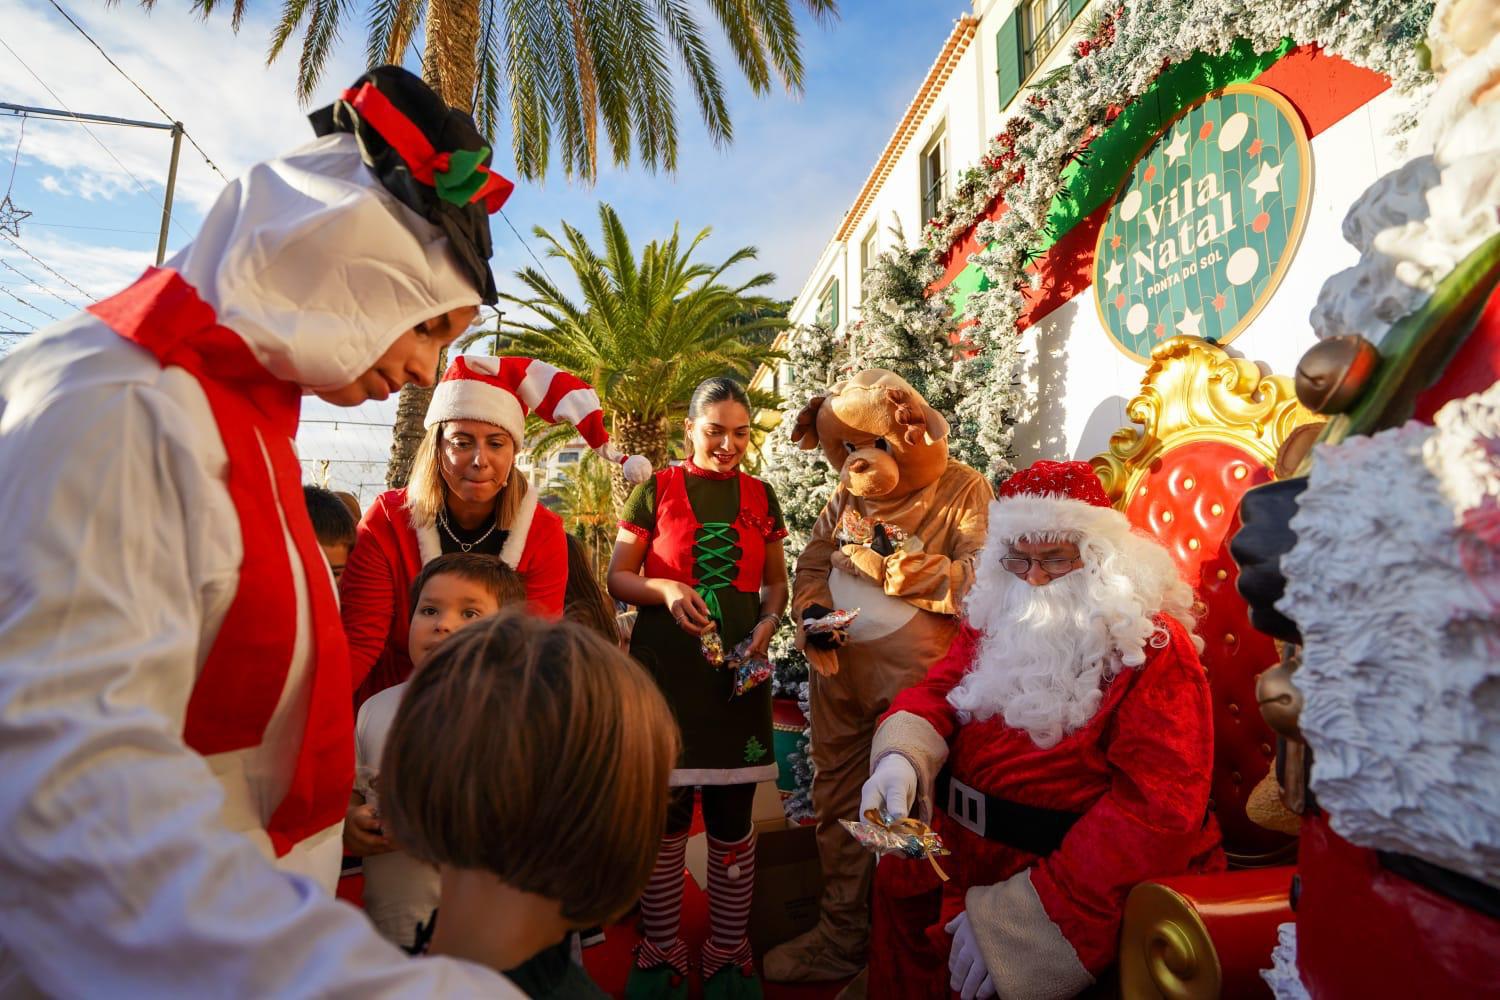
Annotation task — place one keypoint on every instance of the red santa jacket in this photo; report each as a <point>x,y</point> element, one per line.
<point>388,554</point>
<point>1138,773</point>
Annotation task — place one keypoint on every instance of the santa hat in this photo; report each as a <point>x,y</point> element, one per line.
<point>501,391</point>
<point>1053,498</point>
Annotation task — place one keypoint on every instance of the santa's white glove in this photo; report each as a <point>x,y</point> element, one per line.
<point>967,974</point>
<point>892,786</point>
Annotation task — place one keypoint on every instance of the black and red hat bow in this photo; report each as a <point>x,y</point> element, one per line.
<point>427,154</point>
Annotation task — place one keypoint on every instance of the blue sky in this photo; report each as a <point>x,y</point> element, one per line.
<point>95,195</point>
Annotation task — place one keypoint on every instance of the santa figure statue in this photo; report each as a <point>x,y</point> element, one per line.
<point>1061,750</point>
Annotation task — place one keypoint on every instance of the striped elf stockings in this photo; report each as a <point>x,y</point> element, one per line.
<point>731,884</point>
<point>661,909</point>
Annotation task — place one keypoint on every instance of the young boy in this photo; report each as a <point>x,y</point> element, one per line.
<point>333,523</point>
<point>451,592</point>
<point>529,761</point>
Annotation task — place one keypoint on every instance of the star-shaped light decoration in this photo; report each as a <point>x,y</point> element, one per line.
<point>11,217</point>
<point>1177,148</point>
<point>1189,323</point>
<point>1112,274</point>
<point>1266,182</point>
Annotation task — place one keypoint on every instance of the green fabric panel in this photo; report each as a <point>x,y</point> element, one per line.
<point>970,280</point>
<point>1008,57</point>
<point>1089,184</point>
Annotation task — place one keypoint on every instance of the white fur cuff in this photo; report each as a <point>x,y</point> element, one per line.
<point>1025,952</point>
<point>914,738</point>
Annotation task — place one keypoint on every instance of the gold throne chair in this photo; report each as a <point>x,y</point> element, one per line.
<point>1210,427</point>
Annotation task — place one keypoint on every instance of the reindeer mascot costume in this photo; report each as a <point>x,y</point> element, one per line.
<point>897,541</point>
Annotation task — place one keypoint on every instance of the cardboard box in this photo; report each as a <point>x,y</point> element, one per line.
<point>788,882</point>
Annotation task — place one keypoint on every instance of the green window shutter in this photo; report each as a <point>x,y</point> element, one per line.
<point>833,306</point>
<point>1008,57</point>
<point>1075,7</point>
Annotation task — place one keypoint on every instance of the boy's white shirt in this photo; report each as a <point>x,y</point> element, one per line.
<point>130,865</point>
<point>400,891</point>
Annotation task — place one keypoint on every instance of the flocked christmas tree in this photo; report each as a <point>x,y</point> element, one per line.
<point>803,482</point>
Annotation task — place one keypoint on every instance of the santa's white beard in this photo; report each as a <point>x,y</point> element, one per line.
<point>1042,669</point>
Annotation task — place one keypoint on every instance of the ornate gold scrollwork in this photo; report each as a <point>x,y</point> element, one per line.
<point>1165,951</point>
<point>1194,391</point>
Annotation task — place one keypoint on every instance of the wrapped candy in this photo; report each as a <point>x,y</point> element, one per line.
<point>856,529</point>
<point>834,621</point>
<point>751,672</point>
<point>712,646</point>
<point>908,837</point>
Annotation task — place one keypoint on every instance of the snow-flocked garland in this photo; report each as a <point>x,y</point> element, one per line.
<point>1124,52</point>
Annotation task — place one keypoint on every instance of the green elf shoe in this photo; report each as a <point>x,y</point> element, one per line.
<point>659,973</point>
<point>729,975</point>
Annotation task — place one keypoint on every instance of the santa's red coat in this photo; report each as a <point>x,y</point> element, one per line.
<point>1138,773</point>
<point>374,591</point>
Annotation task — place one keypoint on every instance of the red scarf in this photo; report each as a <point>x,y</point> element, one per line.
<point>245,674</point>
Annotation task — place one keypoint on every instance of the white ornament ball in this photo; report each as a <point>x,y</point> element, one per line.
<point>637,469</point>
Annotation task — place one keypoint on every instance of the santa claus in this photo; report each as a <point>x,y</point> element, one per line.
<point>1061,749</point>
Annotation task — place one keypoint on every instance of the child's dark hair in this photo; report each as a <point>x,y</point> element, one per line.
<point>500,580</point>
<point>716,390</point>
<point>584,601</point>
<point>538,752</point>
<point>331,520</point>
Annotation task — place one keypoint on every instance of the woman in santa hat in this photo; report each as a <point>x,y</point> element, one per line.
<point>465,494</point>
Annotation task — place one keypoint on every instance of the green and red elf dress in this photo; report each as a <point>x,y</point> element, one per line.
<point>710,530</point>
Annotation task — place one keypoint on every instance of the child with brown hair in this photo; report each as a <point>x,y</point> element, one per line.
<point>529,762</point>
<point>452,592</point>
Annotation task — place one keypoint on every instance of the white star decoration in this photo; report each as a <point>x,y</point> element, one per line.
<point>1177,148</point>
<point>1112,275</point>
<point>1189,323</point>
<point>11,216</point>
<point>1266,181</point>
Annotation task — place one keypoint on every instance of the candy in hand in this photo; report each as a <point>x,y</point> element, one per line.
<point>711,644</point>
<point>833,621</point>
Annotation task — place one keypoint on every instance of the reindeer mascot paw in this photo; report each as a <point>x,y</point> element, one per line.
<point>896,541</point>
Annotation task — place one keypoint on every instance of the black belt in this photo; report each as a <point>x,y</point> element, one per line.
<point>1032,829</point>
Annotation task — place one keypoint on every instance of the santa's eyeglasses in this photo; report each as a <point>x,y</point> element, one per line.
<point>1021,565</point>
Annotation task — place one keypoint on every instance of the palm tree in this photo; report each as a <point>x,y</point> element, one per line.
<point>586,502</point>
<point>645,333</point>
<point>559,65</point>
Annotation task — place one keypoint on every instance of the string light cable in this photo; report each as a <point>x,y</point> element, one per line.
<point>49,268</point>
<point>37,284</point>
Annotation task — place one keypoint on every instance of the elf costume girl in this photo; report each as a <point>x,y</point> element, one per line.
<point>700,552</point>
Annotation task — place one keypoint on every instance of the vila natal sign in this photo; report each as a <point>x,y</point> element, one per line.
<point>1206,222</point>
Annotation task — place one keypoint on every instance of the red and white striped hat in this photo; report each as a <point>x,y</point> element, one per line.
<point>501,391</point>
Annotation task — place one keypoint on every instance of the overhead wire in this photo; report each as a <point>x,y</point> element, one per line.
<point>90,131</point>
<point>154,103</point>
<point>16,319</point>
